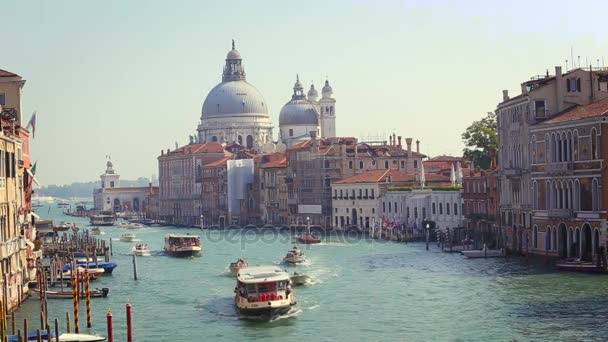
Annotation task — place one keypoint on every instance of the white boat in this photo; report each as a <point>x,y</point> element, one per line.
<point>127,237</point>
<point>295,256</point>
<point>300,279</point>
<point>123,225</point>
<point>235,267</point>
<point>484,253</point>
<point>141,249</point>
<point>182,245</point>
<point>135,226</point>
<point>96,231</point>
<point>70,337</point>
<point>264,292</point>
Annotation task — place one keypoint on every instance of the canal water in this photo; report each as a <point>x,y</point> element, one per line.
<point>364,290</point>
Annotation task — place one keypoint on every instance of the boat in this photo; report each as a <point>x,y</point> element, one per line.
<point>295,256</point>
<point>484,253</point>
<point>95,293</point>
<point>123,225</point>
<point>264,292</point>
<point>128,237</point>
<point>94,272</point>
<point>134,226</point>
<point>308,238</point>
<point>182,245</point>
<point>235,267</point>
<point>141,249</point>
<point>71,337</point>
<point>577,265</point>
<point>105,219</point>
<point>96,231</point>
<point>107,266</point>
<point>300,279</point>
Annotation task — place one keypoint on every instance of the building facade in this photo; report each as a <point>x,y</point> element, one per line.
<point>112,197</point>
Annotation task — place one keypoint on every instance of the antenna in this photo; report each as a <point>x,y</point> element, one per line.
<point>598,63</point>
<point>566,65</point>
<point>572,56</point>
<point>579,61</point>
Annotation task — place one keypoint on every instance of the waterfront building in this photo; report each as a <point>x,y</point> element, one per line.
<point>239,174</point>
<point>542,98</point>
<point>480,197</point>
<point>112,197</point>
<point>151,199</point>
<point>234,111</point>
<point>273,185</point>
<point>567,156</point>
<point>18,253</point>
<point>313,165</point>
<point>304,114</point>
<point>181,181</point>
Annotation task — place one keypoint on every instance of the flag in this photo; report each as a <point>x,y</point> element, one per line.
<point>32,124</point>
<point>33,168</point>
<point>32,173</point>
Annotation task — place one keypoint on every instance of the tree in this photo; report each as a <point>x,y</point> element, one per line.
<point>479,138</point>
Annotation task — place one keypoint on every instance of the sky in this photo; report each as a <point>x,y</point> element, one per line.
<point>128,78</point>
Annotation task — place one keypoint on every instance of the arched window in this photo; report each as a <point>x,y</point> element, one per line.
<point>433,206</point>
<point>240,140</point>
<point>440,209</point>
<point>447,208</point>
<point>575,146</point>
<point>535,237</point>
<point>547,148</point>
<point>554,239</point>
<point>214,138</point>
<point>249,141</point>
<point>595,193</point>
<point>548,239</point>
<point>361,165</point>
<point>594,152</point>
<point>533,150</point>
<point>455,209</point>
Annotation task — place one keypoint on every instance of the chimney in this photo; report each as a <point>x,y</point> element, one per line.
<point>558,71</point>
<point>417,146</point>
<point>399,140</point>
<point>390,138</point>
<point>168,150</point>
<point>162,152</point>
<point>493,159</point>
<point>315,141</point>
<point>394,139</point>
<point>408,142</point>
<point>505,95</point>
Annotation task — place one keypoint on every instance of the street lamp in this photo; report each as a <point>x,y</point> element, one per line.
<point>308,224</point>
<point>428,228</point>
<point>202,222</point>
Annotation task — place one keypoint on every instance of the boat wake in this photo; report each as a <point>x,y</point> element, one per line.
<point>291,314</point>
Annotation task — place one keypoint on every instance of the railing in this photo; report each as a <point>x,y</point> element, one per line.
<point>560,213</point>
<point>512,172</point>
<point>560,167</point>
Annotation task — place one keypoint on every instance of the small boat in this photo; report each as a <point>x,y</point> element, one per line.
<point>264,292</point>
<point>123,225</point>
<point>32,335</point>
<point>235,267</point>
<point>135,226</point>
<point>308,238</point>
<point>141,249</point>
<point>484,253</point>
<point>95,293</point>
<point>94,272</point>
<point>295,256</point>
<point>127,237</point>
<point>70,337</point>
<point>107,267</point>
<point>182,245</point>
<point>577,265</point>
<point>96,231</point>
<point>300,279</point>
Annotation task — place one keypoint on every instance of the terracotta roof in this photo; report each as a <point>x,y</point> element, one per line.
<point>375,176</point>
<point>445,158</point>
<point>595,109</point>
<point>219,162</point>
<point>4,73</point>
<point>208,147</point>
<point>282,162</point>
<point>130,189</point>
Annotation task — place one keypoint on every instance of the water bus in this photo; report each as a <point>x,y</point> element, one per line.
<point>264,292</point>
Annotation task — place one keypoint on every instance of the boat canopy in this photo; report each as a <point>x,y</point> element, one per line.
<point>181,236</point>
<point>262,274</point>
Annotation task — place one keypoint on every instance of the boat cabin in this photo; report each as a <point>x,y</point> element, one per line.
<point>182,240</point>
<point>263,283</point>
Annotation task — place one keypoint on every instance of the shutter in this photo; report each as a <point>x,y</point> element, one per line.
<point>568,85</point>
<point>578,84</point>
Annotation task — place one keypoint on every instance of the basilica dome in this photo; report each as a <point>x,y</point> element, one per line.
<point>234,98</point>
<point>298,111</point>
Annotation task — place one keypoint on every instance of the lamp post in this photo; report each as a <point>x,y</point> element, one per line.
<point>428,228</point>
<point>202,222</point>
<point>307,224</point>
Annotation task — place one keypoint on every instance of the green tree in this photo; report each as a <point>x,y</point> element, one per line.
<point>479,138</point>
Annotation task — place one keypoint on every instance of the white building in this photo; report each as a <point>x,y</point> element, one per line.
<point>111,197</point>
<point>304,114</point>
<point>240,179</point>
<point>410,208</point>
<point>235,111</point>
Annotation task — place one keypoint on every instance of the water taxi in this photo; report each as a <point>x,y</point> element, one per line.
<point>96,231</point>
<point>128,237</point>
<point>123,225</point>
<point>308,238</point>
<point>182,245</point>
<point>235,267</point>
<point>295,256</point>
<point>300,279</point>
<point>577,265</point>
<point>141,249</point>
<point>135,226</point>
<point>264,292</point>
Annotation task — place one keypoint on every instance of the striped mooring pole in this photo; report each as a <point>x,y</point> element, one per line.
<point>75,300</point>
<point>87,290</point>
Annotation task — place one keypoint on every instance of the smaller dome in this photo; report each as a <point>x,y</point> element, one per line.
<point>298,85</point>
<point>327,90</point>
<point>109,164</point>
<point>233,54</point>
<point>312,92</point>
<point>298,112</point>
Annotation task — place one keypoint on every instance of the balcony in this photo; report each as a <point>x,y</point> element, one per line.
<point>560,213</point>
<point>559,168</point>
<point>11,247</point>
<point>512,172</point>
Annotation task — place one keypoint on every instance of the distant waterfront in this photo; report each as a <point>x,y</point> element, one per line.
<point>365,290</point>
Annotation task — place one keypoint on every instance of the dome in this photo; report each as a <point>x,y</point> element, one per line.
<point>234,98</point>
<point>233,54</point>
<point>312,92</point>
<point>298,112</point>
<point>109,164</point>
<point>327,90</point>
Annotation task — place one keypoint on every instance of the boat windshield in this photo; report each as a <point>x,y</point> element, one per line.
<point>267,287</point>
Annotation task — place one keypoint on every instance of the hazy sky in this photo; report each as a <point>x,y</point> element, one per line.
<point>128,78</point>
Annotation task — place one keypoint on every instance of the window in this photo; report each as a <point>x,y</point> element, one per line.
<point>372,193</point>
<point>573,85</point>
<point>535,237</point>
<point>447,208</point>
<point>423,212</point>
<point>415,164</point>
<point>402,164</point>
<point>407,212</point>
<point>386,164</point>
<point>350,164</point>
<point>594,154</point>
<point>360,165</point>
<point>2,99</point>
<point>326,164</point>
<point>539,107</point>
<point>291,132</point>
<point>455,209</point>
<point>389,207</point>
<point>111,184</point>
<point>383,207</point>
<point>395,206</point>
<point>440,208</point>
<point>433,208</point>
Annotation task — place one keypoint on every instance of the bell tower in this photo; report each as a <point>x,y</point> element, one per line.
<point>327,108</point>
<point>110,179</point>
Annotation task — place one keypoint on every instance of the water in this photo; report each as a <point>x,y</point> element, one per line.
<point>363,290</point>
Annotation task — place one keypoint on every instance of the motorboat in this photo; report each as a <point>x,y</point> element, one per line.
<point>71,337</point>
<point>577,265</point>
<point>264,292</point>
<point>95,293</point>
<point>308,238</point>
<point>94,272</point>
<point>235,267</point>
<point>182,245</point>
<point>300,279</point>
<point>484,253</point>
<point>295,256</point>
<point>93,267</point>
<point>123,225</point>
<point>96,231</point>
<point>141,249</point>
<point>135,226</point>
<point>128,237</point>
